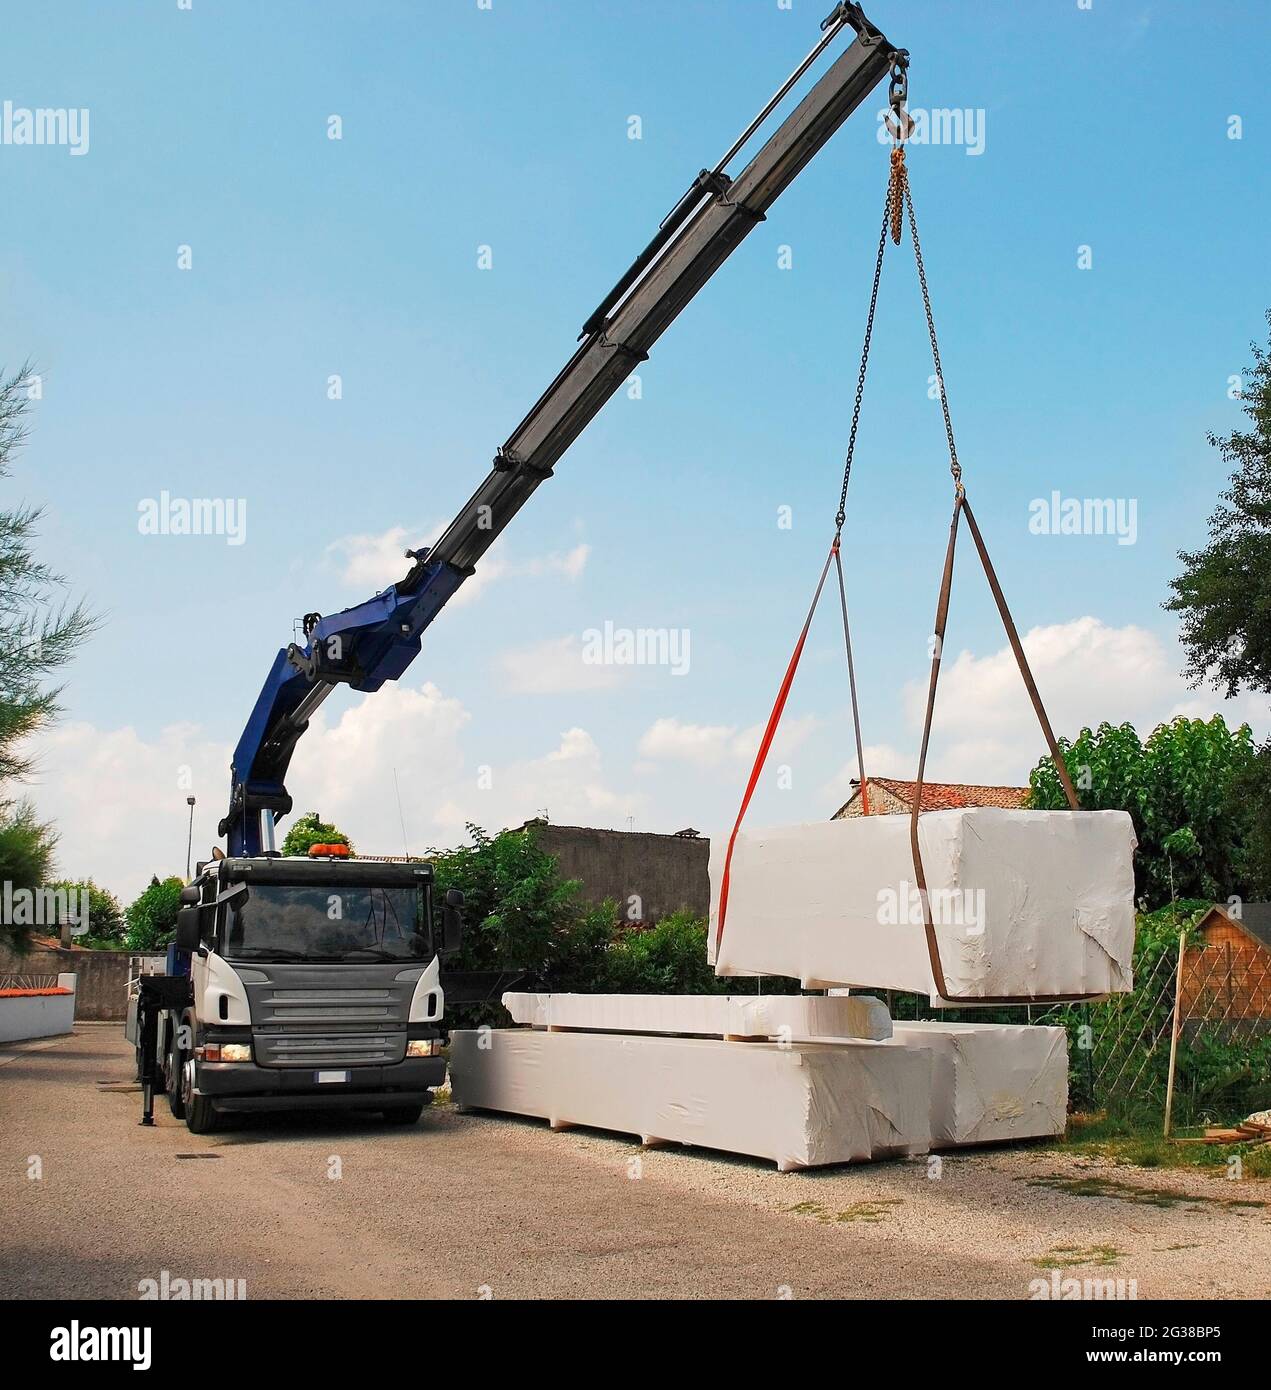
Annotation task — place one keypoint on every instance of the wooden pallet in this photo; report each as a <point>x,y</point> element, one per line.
<point>1247,1132</point>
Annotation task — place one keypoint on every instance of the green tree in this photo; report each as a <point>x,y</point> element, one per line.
<point>1224,591</point>
<point>311,829</point>
<point>38,635</point>
<point>1224,596</point>
<point>106,921</point>
<point>26,857</point>
<point>667,958</point>
<point>1252,789</point>
<point>520,913</point>
<point>152,916</point>
<point>1180,789</point>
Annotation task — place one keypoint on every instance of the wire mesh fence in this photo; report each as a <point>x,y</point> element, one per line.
<point>1223,1069</point>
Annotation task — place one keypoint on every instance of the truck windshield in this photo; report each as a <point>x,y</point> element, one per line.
<point>284,923</point>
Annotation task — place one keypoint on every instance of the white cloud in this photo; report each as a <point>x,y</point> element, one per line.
<point>556,667</point>
<point>881,760</point>
<point>346,771</point>
<point>1087,672</point>
<point>710,745</point>
<point>119,801</point>
<point>370,562</point>
<point>703,744</point>
<point>570,563</point>
<point>118,798</point>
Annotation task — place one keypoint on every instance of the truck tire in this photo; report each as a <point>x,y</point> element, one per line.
<point>404,1114</point>
<point>172,1080</point>
<point>201,1116</point>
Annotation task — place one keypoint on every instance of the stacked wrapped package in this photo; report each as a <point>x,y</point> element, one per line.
<point>800,1105</point>
<point>623,1063</point>
<point>781,1017</point>
<point>992,1082</point>
<point>1024,906</point>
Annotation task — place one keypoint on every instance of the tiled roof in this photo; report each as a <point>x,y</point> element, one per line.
<point>949,796</point>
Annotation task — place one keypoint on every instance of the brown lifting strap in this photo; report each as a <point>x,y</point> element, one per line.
<point>900,197</point>
<point>960,507</point>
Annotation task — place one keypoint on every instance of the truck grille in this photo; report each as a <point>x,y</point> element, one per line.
<point>329,1049</point>
<point>329,1017</point>
<point>279,1007</point>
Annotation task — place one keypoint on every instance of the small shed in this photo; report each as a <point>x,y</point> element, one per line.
<point>1226,974</point>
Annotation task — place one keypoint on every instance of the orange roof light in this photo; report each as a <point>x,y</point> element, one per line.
<point>328,851</point>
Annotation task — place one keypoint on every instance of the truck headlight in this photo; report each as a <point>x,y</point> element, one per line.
<point>225,1052</point>
<point>424,1047</point>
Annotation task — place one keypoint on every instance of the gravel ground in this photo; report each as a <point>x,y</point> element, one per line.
<point>476,1205</point>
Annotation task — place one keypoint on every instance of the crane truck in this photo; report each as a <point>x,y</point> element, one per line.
<point>317,982</point>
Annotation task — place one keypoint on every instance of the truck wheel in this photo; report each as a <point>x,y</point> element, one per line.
<point>201,1116</point>
<point>404,1114</point>
<point>172,1071</point>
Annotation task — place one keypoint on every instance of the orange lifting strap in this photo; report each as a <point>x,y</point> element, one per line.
<point>898,207</point>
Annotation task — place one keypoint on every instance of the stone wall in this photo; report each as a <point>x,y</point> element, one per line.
<point>647,875</point>
<point>102,988</point>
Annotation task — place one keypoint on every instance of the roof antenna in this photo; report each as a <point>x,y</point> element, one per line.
<point>400,814</point>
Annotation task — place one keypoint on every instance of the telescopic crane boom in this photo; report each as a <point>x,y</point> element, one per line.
<point>376,641</point>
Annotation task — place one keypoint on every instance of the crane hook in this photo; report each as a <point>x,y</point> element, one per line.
<point>899,124</point>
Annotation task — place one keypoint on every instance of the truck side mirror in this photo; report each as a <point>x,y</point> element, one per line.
<point>452,921</point>
<point>191,893</point>
<point>187,934</point>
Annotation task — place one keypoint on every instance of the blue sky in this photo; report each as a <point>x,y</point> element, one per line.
<point>508,127</point>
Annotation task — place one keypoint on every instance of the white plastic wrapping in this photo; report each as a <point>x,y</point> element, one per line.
<point>992,1081</point>
<point>783,1017</point>
<point>801,1105</point>
<point>1027,904</point>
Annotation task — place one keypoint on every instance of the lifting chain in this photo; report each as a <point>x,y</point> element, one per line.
<point>899,205</point>
<point>841,517</point>
<point>898,162</point>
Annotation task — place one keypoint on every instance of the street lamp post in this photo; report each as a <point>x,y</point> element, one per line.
<point>189,844</point>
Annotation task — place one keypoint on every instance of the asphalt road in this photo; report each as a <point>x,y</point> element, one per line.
<point>466,1206</point>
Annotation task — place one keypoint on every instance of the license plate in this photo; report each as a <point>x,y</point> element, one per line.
<point>324,1076</point>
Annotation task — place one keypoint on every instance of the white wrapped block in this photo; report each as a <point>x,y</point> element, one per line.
<point>783,1017</point>
<point>1027,904</point>
<point>992,1081</point>
<point>801,1106</point>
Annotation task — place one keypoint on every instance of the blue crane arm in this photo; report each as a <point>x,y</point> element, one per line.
<point>376,641</point>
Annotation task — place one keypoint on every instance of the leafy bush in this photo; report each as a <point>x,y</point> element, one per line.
<point>1180,787</point>
<point>521,915</point>
<point>670,958</point>
<point>310,829</point>
<point>667,958</point>
<point>152,918</point>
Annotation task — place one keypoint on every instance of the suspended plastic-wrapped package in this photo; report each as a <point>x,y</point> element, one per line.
<point>1025,905</point>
